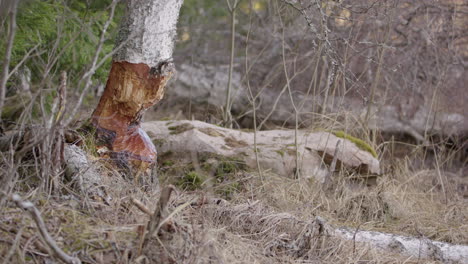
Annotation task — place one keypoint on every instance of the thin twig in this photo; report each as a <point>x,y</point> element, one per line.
<point>227,118</point>
<point>36,216</point>
<point>94,65</point>
<point>25,57</point>
<point>37,243</point>
<point>332,166</point>
<point>156,217</point>
<point>297,173</point>
<point>252,98</point>
<point>14,246</point>
<point>141,206</point>
<point>354,237</point>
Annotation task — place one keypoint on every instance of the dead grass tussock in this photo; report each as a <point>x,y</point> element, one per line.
<point>275,217</point>
<point>396,205</point>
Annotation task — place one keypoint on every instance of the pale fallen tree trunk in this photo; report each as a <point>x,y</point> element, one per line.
<point>81,171</point>
<point>140,70</point>
<point>410,246</point>
<point>284,232</point>
<point>278,151</point>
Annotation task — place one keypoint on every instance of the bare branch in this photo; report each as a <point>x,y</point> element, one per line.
<point>141,206</point>
<point>156,217</point>
<point>327,181</point>
<point>36,216</point>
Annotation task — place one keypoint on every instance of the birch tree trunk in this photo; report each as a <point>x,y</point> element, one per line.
<point>141,67</point>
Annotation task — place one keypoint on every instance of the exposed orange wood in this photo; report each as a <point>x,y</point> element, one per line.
<point>130,90</point>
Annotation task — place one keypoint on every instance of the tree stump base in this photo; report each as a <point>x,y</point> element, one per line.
<point>130,90</point>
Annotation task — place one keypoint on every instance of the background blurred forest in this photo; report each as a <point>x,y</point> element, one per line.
<point>405,59</point>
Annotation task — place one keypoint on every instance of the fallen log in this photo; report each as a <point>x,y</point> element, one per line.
<point>276,148</point>
<point>420,248</point>
<point>285,233</point>
<point>81,171</point>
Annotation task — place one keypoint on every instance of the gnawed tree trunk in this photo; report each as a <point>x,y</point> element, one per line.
<point>140,69</point>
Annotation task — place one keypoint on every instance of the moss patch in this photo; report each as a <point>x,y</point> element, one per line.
<point>358,142</point>
<point>191,181</point>
<point>180,128</point>
<point>234,143</point>
<point>280,152</point>
<point>168,163</point>
<point>211,132</point>
<point>226,167</point>
<point>226,176</point>
<point>159,142</point>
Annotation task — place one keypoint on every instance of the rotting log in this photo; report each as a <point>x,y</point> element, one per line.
<point>140,70</point>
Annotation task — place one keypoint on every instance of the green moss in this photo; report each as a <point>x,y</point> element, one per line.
<point>168,163</point>
<point>191,181</point>
<point>207,166</point>
<point>210,131</point>
<point>228,166</point>
<point>359,142</point>
<point>180,128</point>
<point>225,167</point>
<point>158,142</point>
<point>166,154</point>
<point>234,143</point>
<point>78,232</point>
<point>228,191</point>
<point>280,152</point>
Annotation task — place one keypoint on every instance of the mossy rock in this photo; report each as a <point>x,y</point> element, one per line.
<point>358,142</point>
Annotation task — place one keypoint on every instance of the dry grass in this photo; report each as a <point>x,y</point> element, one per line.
<point>269,221</point>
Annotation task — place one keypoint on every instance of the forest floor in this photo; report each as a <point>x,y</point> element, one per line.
<point>234,215</point>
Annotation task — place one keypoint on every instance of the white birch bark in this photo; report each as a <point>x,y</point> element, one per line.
<point>420,248</point>
<point>147,31</point>
<point>140,69</point>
